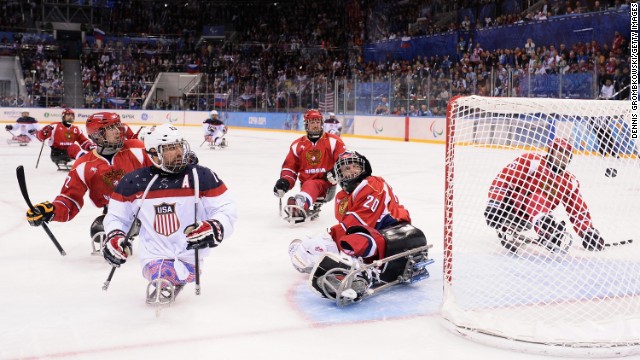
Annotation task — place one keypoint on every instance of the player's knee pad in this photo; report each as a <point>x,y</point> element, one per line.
<point>59,156</point>
<point>97,230</point>
<point>330,194</point>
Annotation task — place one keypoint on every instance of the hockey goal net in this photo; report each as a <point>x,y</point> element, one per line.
<point>568,302</point>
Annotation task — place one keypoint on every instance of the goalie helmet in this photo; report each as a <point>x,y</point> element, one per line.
<point>313,121</point>
<point>101,129</point>
<point>161,144</point>
<point>68,116</point>
<point>351,168</point>
<point>559,154</point>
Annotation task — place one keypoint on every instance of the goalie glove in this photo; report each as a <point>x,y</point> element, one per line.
<point>592,241</point>
<point>281,187</point>
<point>330,176</point>
<point>116,250</point>
<point>41,213</point>
<point>204,234</point>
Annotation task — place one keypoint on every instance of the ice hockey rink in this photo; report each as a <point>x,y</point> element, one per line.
<point>253,304</point>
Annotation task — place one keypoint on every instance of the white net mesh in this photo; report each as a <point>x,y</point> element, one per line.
<point>540,285</point>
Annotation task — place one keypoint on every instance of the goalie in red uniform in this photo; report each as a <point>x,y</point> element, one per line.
<point>310,160</point>
<point>526,192</point>
<point>372,225</point>
<point>67,142</point>
<point>97,172</point>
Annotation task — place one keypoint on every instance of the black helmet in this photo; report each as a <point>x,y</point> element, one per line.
<point>349,181</point>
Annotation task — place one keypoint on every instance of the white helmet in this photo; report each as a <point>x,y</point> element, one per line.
<point>331,114</point>
<point>214,113</point>
<point>157,140</point>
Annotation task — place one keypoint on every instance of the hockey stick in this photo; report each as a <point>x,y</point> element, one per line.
<point>23,189</point>
<point>196,185</point>
<point>129,235</point>
<point>280,206</point>
<point>618,243</point>
<point>39,155</point>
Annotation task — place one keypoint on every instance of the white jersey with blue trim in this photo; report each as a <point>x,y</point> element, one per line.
<point>168,209</point>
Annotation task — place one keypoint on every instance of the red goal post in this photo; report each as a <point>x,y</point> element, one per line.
<point>574,302</point>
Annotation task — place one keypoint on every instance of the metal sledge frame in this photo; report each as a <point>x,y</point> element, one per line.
<point>405,277</point>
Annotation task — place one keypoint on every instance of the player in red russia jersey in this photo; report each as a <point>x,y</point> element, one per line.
<point>97,172</point>
<point>526,192</point>
<point>372,225</point>
<point>310,160</point>
<point>65,140</point>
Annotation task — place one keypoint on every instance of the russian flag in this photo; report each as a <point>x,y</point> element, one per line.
<point>406,42</point>
<point>220,100</point>
<point>98,35</point>
<point>193,68</point>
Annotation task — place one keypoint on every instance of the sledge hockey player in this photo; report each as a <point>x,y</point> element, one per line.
<point>310,159</point>
<point>67,142</point>
<point>372,226</point>
<point>214,131</point>
<point>180,206</point>
<point>27,127</point>
<point>332,125</point>
<point>526,192</point>
<point>97,172</point>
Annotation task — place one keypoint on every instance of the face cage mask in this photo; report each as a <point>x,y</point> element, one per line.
<point>178,164</point>
<point>349,183</point>
<point>108,147</point>
<point>314,134</point>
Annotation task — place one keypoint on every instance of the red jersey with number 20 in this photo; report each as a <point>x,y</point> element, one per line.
<point>372,203</point>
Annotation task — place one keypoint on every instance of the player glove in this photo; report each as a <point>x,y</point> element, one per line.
<point>41,213</point>
<point>282,186</point>
<point>8,127</point>
<point>330,176</point>
<point>591,240</point>
<point>116,250</point>
<point>191,157</point>
<point>204,234</point>
<point>46,131</point>
<point>32,131</point>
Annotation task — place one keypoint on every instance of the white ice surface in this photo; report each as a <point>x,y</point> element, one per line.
<point>253,305</point>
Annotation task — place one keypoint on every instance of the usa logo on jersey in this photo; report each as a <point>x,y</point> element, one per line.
<point>166,221</point>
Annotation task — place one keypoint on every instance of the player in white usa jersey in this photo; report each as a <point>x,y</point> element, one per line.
<point>332,125</point>
<point>186,208</point>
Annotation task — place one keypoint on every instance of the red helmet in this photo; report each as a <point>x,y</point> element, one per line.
<point>68,112</point>
<point>313,114</point>
<point>560,144</point>
<point>97,125</point>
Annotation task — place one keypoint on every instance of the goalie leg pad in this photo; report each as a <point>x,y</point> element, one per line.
<point>400,238</point>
